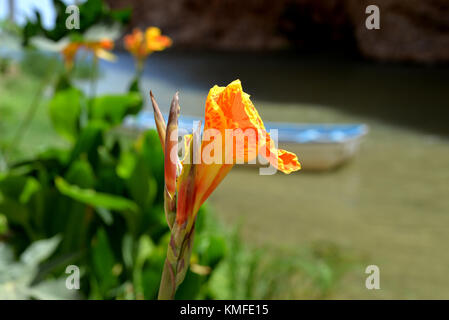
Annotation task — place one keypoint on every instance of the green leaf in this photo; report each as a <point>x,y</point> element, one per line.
<point>93,198</point>
<point>219,284</point>
<point>3,225</point>
<point>113,108</point>
<point>65,110</point>
<point>12,185</point>
<point>190,288</point>
<point>54,289</point>
<point>126,165</point>
<point>6,254</point>
<point>142,186</point>
<point>81,174</point>
<point>127,250</point>
<point>15,212</point>
<point>153,155</point>
<point>40,251</point>
<point>31,187</point>
<point>105,215</point>
<point>146,248</point>
<point>122,15</point>
<point>211,248</point>
<point>16,277</point>
<point>134,86</point>
<point>88,142</point>
<point>103,261</point>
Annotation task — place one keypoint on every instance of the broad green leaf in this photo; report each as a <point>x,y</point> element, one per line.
<point>90,138</point>
<point>16,277</point>
<point>190,288</point>
<point>30,188</point>
<point>142,185</point>
<point>6,254</point>
<point>53,154</point>
<point>40,251</point>
<point>15,212</point>
<point>65,110</point>
<point>127,250</point>
<point>103,262</point>
<point>146,248</point>
<point>126,165</point>
<point>211,249</point>
<point>153,155</point>
<point>105,215</point>
<point>113,108</point>
<point>12,185</point>
<point>54,289</point>
<point>219,284</point>
<point>3,225</point>
<point>93,198</point>
<point>134,86</point>
<point>81,174</point>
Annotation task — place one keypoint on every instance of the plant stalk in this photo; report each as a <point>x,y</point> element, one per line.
<point>177,261</point>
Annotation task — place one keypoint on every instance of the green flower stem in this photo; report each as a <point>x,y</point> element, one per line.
<point>92,94</point>
<point>177,261</point>
<point>170,209</point>
<point>139,67</point>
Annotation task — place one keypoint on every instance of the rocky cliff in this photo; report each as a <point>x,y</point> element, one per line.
<point>411,30</point>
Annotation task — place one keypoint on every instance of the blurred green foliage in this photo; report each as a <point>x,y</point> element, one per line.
<point>92,12</point>
<point>96,199</point>
<point>5,64</point>
<point>16,277</point>
<point>102,195</point>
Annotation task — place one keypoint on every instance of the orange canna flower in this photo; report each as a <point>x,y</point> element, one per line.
<point>100,49</point>
<point>228,109</point>
<point>189,182</point>
<point>141,45</point>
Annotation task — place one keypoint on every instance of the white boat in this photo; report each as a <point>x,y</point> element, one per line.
<point>318,146</point>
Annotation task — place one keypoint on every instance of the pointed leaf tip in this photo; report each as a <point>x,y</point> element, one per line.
<point>159,120</point>
<point>171,147</point>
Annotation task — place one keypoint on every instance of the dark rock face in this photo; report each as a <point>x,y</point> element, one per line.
<point>411,30</point>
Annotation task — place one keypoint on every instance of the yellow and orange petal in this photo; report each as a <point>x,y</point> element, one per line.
<point>226,108</point>
<point>231,108</point>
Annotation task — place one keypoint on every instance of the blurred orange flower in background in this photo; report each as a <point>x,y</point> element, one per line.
<point>140,44</point>
<point>99,48</point>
